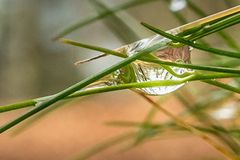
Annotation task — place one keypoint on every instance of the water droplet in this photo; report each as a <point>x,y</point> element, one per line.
<point>145,71</point>
<point>140,71</point>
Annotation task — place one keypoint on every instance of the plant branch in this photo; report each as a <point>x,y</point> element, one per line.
<point>194,77</point>
<point>194,45</point>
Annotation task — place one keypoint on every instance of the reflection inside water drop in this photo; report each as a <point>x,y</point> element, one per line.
<point>145,71</point>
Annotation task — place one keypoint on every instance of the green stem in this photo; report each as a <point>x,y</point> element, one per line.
<point>228,39</point>
<point>197,67</point>
<point>164,64</point>
<point>96,48</point>
<point>193,77</point>
<point>222,85</point>
<point>195,45</point>
<point>217,26</point>
<point>18,105</point>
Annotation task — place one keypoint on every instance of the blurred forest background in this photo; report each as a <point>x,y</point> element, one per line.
<point>33,65</point>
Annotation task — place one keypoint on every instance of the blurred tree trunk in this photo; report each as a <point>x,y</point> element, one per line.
<point>4,39</point>
<point>19,71</point>
<point>28,68</point>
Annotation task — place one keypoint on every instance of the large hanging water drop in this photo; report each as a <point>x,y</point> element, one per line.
<point>140,71</point>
